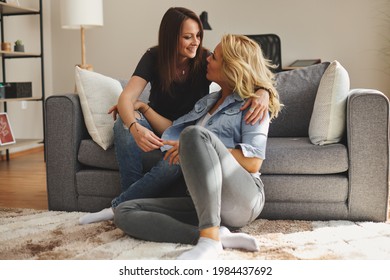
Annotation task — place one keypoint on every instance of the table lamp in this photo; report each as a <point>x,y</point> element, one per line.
<point>82,14</point>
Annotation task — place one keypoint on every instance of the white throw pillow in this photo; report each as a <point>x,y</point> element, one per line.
<point>327,121</point>
<point>97,94</point>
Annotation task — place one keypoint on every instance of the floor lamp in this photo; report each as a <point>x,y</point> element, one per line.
<point>82,14</point>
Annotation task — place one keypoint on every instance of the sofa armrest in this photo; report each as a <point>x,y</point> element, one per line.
<point>368,147</point>
<point>64,130</point>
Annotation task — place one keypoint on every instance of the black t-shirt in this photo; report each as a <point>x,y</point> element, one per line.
<point>183,95</point>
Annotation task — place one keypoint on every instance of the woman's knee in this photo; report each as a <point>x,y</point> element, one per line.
<point>192,134</point>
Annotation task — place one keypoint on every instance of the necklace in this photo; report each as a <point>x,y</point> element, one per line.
<point>181,72</point>
<point>182,69</point>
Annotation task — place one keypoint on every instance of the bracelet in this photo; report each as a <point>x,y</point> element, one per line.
<point>266,89</point>
<point>146,110</point>
<point>133,123</point>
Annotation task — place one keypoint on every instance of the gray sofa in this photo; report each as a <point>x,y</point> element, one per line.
<point>347,180</point>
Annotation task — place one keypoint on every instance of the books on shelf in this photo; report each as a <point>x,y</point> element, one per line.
<point>16,90</point>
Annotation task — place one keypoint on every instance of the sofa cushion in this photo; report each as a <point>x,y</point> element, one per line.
<point>93,182</point>
<point>97,94</point>
<point>284,156</point>
<point>332,188</point>
<point>327,124</point>
<point>297,90</point>
<point>297,155</point>
<point>91,154</point>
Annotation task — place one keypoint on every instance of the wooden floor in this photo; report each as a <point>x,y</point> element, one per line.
<point>23,181</point>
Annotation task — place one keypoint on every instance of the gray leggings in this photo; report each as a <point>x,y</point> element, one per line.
<point>222,192</point>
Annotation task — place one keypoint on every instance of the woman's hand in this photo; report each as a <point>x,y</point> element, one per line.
<point>145,139</point>
<point>258,107</point>
<point>172,153</point>
<point>114,111</point>
<point>140,106</point>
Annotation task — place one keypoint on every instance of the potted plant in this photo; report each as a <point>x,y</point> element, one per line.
<point>19,47</point>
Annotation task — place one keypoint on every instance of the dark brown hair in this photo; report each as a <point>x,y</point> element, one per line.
<point>168,40</point>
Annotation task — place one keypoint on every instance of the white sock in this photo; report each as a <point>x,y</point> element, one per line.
<point>104,215</point>
<point>237,240</point>
<point>206,249</point>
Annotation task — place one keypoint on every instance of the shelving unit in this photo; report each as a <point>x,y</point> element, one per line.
<point>7,10</point>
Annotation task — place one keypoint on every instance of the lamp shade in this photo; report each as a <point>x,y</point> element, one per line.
<point>81,13</point>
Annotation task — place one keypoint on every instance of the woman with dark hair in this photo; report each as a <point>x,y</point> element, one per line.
<point>176,71</point>
<point>220,156</point>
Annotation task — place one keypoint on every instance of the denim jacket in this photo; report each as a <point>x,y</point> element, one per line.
<point>227,123</point>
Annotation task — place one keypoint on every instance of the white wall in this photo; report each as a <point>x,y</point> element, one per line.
<point>354,32</point>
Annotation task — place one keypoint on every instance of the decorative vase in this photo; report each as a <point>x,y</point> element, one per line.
<point>6,46</point>
<point>19,48</point>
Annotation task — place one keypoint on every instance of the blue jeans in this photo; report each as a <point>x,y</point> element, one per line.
<point>134,183</point>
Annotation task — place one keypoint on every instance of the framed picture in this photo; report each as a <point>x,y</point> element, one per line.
<point>6,135</point>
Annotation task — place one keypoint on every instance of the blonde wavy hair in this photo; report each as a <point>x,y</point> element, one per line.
<point>246,69</point>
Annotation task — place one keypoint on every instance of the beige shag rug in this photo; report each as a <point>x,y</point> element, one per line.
<point>27,234</point>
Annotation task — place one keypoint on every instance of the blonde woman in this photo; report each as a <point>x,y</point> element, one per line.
<point>220,156</point>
